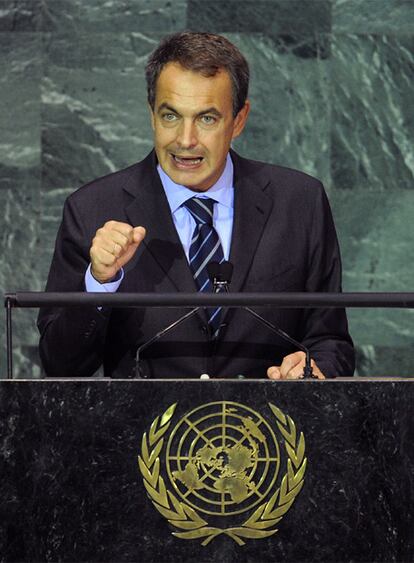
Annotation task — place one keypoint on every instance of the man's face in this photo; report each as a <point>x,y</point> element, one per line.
<point>194,125</point>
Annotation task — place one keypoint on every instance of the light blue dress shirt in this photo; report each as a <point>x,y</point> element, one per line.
<point>222,192</point>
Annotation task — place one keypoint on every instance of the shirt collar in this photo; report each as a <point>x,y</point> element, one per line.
<point>221,191</point>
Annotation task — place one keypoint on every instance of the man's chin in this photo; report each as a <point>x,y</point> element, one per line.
<point>189,178</point>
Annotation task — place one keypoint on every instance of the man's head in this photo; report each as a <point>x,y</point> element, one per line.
<point>205,53</point>
<point>197,89</point>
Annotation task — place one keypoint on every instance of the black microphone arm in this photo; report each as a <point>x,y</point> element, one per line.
<point>138,371</point>
<point>220,275</point>
<point>307,370</point>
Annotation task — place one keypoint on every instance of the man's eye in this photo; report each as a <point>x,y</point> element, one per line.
<point>208,119</point>
<point>169,117</point>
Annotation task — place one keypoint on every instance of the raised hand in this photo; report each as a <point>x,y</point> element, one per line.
<point>113,246</point>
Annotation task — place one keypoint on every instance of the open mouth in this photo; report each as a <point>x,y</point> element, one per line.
<point>187,161</point>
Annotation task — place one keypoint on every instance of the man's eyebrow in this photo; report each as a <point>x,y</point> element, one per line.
<point>210,110</point>
<point>164,105</point>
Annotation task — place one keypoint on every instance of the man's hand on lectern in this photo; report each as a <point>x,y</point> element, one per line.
<point>292,368</point>
<point>112,247</point>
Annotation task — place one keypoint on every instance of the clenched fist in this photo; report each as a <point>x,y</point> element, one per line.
<point>112,247</point>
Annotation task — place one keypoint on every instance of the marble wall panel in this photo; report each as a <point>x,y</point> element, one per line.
<point>277,17</point>
<point>296,26</point>
<point>19,177</point>
<point>393,17</point>
<point>332,94</point>
<point>95,118</point>
<point>377,238</point>
<point>372,112</point>
<point>19,118</point>
<point>372,168</point>
<point>289,122</point>
<point>92,15</point>
<point>114,15</point>
<point>20,15</point>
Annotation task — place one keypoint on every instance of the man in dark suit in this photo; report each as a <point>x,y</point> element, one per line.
<point>137,231</point>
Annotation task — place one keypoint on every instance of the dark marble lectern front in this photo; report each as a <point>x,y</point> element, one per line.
<point>72,489</point>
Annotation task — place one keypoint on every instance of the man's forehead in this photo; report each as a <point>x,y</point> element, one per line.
<point>179,102</point>
<point>175,68</point>
<point>176,82</point>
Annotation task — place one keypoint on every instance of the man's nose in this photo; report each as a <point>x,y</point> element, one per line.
<point>187,137</point>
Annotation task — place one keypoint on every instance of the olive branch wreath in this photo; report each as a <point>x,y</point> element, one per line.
<point>260,523</point>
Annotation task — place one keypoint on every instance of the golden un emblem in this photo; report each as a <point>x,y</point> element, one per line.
<point>221,462</point>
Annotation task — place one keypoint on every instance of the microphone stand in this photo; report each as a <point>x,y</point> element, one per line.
<point>138,371</point>
<point>220,274</point>
<point>307,370</point>
<point>216,268</point>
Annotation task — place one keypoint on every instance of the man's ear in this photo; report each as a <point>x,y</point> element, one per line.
<point>152,116</point>
<point>240,119</point>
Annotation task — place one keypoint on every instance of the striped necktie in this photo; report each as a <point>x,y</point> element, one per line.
<point>205,248</point>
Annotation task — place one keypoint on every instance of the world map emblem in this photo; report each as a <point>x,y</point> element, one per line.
<point>216,470</point>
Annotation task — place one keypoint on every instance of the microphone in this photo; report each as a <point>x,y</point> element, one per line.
<point>220,276</point>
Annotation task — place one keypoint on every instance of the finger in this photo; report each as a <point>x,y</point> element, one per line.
<point>139,234</point>
<point>110,235</point>
<point>100,248</point>
<point>290,361</point>
<point>119,238</point>
<point>101,257</point>
<point>118,242</point>
<point>316,371</point>
<point>127,255</point>
<point>296,372</point>
<point>273,372</point>
<point>118,227</point>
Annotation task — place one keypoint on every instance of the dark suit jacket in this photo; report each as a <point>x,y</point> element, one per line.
<point>283,240</point>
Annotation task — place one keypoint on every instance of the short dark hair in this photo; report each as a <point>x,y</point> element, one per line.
<point>206,53</point>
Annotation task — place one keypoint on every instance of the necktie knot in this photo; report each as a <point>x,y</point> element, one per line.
<point>201,210</point>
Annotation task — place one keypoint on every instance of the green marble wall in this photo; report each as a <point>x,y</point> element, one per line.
<point>332,93</point>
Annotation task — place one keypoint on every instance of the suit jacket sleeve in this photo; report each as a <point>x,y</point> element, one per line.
<point>72,339</point>
<point>325,331</point>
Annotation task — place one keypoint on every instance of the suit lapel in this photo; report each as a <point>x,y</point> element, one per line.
<point>251,211</point>
<point>149,207</point>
